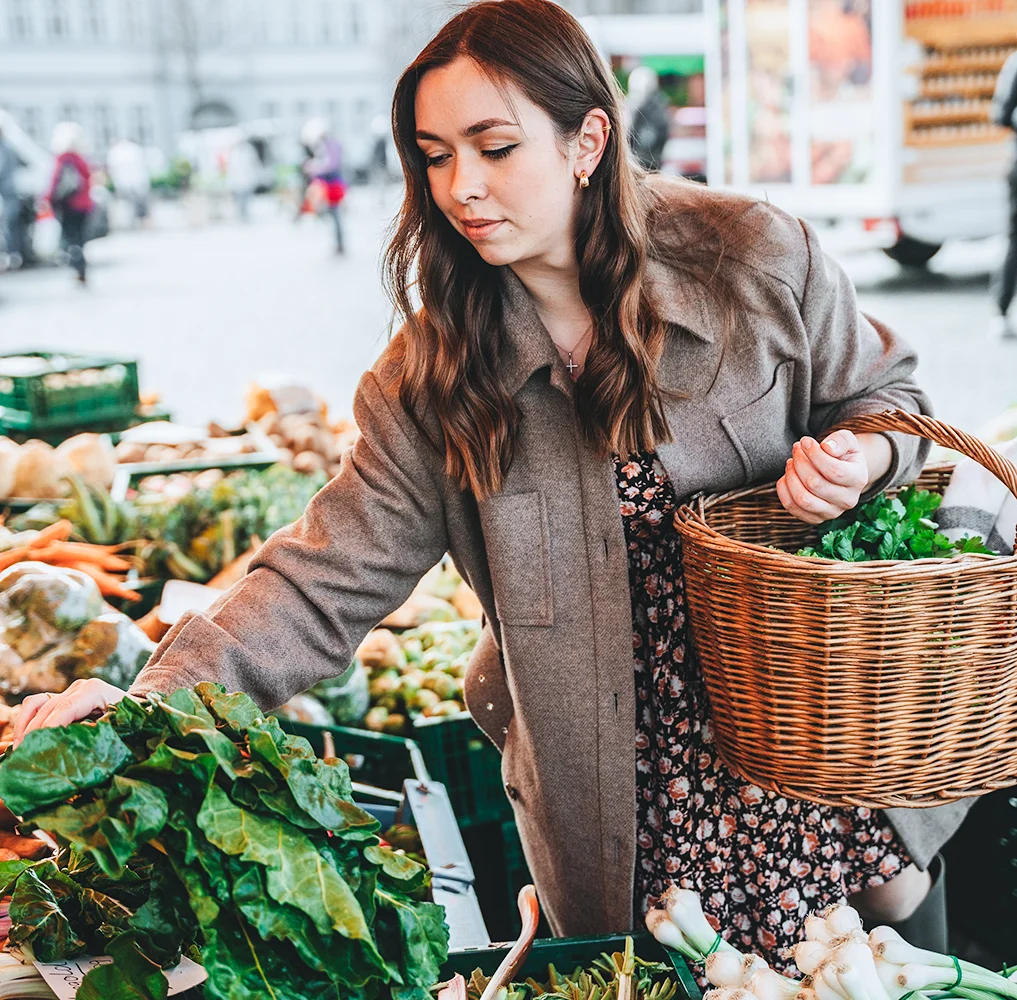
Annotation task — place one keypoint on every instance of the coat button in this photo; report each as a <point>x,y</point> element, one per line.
<point>512,792</point>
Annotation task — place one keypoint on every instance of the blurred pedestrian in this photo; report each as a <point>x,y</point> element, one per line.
<point>242,175</point>
<point>128,171</point>
<point>379,155</point>
<point>69,192</point>
<point>10,203</point>
<point>1004,104</point>
<point>325,172</point>
<point>649,121</point>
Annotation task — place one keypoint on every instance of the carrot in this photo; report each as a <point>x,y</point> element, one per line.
<point>63,552</point>
<point>60,531</point>
<point>12,556</point>
<point>109,586</point>
<point>112,564</point>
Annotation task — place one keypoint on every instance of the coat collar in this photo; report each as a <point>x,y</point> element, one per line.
<point>528,348</point>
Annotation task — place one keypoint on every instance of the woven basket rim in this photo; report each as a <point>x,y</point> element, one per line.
<point>687,517</point>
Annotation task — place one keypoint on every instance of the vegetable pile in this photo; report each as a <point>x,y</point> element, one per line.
<point>36,470</point>
<point>55,628</point>
<point>191,537</point>
<point>885,528</point>
<point>610,977</point>
<point>193,820</point>
<point>395,679</point>
<point>838,960</point>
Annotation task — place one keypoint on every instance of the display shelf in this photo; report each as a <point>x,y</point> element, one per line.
<point>932,91</point>
<point>947,33</point>
<point>992,136</point>
<point>970,114</point>
<point>956,65</point>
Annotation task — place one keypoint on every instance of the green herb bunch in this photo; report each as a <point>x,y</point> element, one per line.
<point>194,823</point>
<point>897,528</point>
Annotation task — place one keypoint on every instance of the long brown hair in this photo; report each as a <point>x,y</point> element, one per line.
<point>453,343</point>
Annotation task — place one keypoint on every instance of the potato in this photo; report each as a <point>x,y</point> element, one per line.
<point>308,462</point>
<point>8,466</point>
<point>304,438</point>
<point>40,472</point>
<point>92,458</point>
<point>130,451</point>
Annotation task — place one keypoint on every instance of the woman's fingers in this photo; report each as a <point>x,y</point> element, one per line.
<point>78,702</point>
<point>842,495</point>
<point>840,467</point>
<point>30,707</point>
<point>804,500</point>
<point>784,494</point>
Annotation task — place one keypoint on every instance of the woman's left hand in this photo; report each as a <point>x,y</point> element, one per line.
<point>822,481</point>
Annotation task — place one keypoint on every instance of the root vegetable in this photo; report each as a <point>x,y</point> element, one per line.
<point>725,968</point>
<point>91,457</point>
<point>8,466</point>
<point>308,462</point>
<point>40,472</point>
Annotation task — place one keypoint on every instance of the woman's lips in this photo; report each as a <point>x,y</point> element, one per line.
<point>480,229</point>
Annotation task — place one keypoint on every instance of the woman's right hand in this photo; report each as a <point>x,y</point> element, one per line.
<point>83,698</point>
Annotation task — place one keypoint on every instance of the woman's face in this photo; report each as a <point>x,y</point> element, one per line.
<point>498,172</point>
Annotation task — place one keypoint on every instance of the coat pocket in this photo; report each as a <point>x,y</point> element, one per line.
<point>761,431</point>
<point>519,556</point>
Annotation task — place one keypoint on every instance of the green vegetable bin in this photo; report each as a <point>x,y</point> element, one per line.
<point>75,391</point>
<point>565,954</point>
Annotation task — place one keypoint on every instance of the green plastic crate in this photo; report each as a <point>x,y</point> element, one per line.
<point>45,402</point>
<point>565,954</point>
<point>468,764</point>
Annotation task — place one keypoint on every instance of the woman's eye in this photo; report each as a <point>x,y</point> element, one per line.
<point>500,153</point>
<point>437,160</point>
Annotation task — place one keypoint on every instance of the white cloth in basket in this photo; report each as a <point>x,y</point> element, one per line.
<point>977,503</point>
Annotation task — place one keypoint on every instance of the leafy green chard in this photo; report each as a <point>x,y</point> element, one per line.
<point>891,528</point>
<point>193,820</point>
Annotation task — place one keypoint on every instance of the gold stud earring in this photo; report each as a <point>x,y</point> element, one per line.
<point>584,181</point>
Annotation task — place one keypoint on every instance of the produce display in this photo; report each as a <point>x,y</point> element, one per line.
<point>838,960</point>
<point>163,442</point>
<point>192,537</point>
<point>394,680</point>
<point>36,470</point>
<point>194,825</point>
<point>55,628</point>
<point>51,545</point>
<point>885,528</point>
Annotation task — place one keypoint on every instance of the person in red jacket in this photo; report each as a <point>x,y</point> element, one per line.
<point>69,191</point>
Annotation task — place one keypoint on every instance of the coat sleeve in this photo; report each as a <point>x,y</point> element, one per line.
<point>859,365</point>
<point>1004,100</point>
<point>317,587</point>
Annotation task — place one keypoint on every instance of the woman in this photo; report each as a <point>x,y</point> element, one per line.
<point>325,167</point>
<point>70,191</point>
<point>592,345</point>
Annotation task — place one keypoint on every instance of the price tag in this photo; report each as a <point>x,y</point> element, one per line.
<point>64,978</point>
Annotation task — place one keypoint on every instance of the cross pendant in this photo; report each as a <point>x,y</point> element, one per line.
<point>570,366</point>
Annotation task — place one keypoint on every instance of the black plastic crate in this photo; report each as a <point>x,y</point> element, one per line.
<point>74,391</point>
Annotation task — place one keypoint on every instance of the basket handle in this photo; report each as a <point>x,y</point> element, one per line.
<point>939,433</point>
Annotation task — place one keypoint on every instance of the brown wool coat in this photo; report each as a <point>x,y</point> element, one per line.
<point>552,679</point>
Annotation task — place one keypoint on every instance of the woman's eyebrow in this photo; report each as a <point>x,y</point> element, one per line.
<point>470,131</point>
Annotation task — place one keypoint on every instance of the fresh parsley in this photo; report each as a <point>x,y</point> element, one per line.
<point>891,528</point>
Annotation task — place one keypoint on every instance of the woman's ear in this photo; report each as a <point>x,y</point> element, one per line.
<point>593,140</point>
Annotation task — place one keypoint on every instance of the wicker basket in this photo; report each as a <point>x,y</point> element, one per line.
<point>877,684</point>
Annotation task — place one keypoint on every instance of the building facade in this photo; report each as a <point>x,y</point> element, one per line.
<point>150,69</point>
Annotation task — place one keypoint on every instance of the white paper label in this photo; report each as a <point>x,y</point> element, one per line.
<point>64,978</point>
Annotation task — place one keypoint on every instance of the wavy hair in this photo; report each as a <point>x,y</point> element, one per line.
<point>452,343</point>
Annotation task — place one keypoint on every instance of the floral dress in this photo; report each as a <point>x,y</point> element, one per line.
<point>761,862</point>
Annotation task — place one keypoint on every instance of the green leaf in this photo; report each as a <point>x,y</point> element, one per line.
<point>423,935</point>
<point>165,920</point>
<point>972,544</point>
<point>237,711</point>
<point>10,871</point>
<point>111,829</point>
<point>296,873</point>
<point>51,765</point>
<point>131,976</point>
<point>189,719</point>
<point>36,918</point>
<point>398,868</point>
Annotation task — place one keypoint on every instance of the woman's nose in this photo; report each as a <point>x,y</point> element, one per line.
<point>467,181</point>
